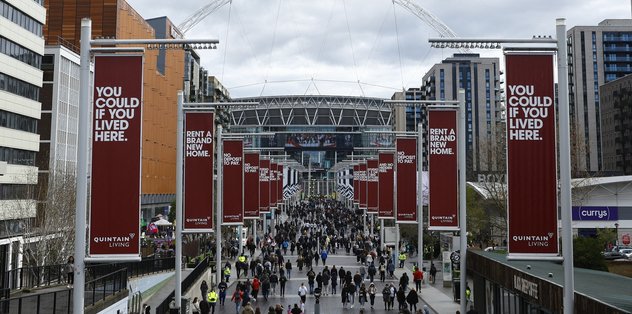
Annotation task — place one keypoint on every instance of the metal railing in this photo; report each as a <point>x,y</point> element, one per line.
<point>97,289</point>
<point>186,284</point>
<point>39,276</point>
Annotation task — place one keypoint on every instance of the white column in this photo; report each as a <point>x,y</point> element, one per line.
<point>565,170</point>
<point>179,176</point>
<point>82,167</point>
<point>218,212</point>
<point>420,211</point>
<point>462,197</point>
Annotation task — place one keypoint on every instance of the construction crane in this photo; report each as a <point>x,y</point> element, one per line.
<point>424,15</point>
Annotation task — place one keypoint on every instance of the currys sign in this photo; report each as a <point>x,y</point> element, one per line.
<point>595,213</point>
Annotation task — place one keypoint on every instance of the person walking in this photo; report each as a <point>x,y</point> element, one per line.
<point>334,280</point>
<point>70,271</point>
<point>386,297</point>
<point>222,287</point>
<point>344,294</point>
<point>288,268</point>
<point>302,293</point>
<point>195,306</point>
<point>362,295</point>
<point>372,271</point>
<point>274,279</point>
<point>212,300</point>
<point>237,298</point>
<point>256,284</point>
<point>401,298</point>
<point>382,272</point>
<point>412,298</point>
<point>418,277</point>
<point>325,281</point>
<point>205,308</point>
<point>372,291</point>
<point>282,282</point>
<point>433,273</point>
<point>204,289</point>
<point>311,276</point>
<point>402,259</point>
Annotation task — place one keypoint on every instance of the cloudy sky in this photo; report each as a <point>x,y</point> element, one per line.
<point>328,46</point>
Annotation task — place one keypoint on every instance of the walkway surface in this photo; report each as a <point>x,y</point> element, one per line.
<point>435,296</point>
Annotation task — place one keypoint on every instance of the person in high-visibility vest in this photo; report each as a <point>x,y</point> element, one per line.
<point>402,259</point>
<point>212,300</point>
<point>227,273</point>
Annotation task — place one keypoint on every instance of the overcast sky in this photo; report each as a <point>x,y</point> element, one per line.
<point>337,43</point>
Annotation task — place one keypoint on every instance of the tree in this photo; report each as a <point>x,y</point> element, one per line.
<point>587,254</point>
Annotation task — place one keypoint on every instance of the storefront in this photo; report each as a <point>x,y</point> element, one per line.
<point>534,287</point>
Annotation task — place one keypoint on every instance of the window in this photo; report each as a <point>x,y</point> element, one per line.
<point>16,156</point>
<point>16,191</point>
<point>18,17</point>
<point>17,121</point>
<point>19,87</point>
<point>18,52</point>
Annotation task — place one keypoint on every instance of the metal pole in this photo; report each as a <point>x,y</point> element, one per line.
<point>179,175</point>
<point>381,233</point>
<point>218,212</point>
<point>420,211</point>
<point>371,231</point>
<point>82,167</point>
<point>462,197</point>
<point>241,238</point>
<point>565,170</point>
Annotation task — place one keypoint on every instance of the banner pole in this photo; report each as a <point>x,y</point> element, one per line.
<point>82,167</point>
<point>179,174</point>
<point>219,207</point>
<point>565,171</point>
<point>420,211</point>
<point>462,198</point>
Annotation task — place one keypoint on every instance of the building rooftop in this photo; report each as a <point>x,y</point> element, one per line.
<point>611,289</point>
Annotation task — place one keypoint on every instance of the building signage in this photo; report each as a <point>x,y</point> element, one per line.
<point>251,185</point>
<point>406,180</point>
<point>443,180</point>
<point>372,185</point>
<point>525,286</point>
<point>385,186</point>
<point>264,186</point>
<point>273,184</point>
<point>233,182</point>
<point>198,171</point>
<point>281,183</point>
<point>116,156</point>
<point>595,213</point>
<point>531,155</point>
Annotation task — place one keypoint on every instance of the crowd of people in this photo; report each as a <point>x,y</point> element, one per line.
<point>314,230</point>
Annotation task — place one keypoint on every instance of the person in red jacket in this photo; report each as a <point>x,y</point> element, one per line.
<point>255,287</point>
<point>418,276</point>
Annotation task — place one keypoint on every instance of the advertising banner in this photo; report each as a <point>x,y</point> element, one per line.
<point>280,183</point>
<point>531,155</point>
<point>372,185</point>
<point>406,180</point>
<point>273,184</point>
<point>356,184</point>
<point>264,186</point>
<point>233,182</point>
<point>443,179</point>
<point>385,186</point>
<point>251,185</point>
<point>116,156</point>
<point>362,185</point>
<point>199,165</point>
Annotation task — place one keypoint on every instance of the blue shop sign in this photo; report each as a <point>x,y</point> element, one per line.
<point>595,213</point>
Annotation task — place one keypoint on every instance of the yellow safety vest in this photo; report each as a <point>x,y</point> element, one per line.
<point>242,259</point>
<point>226,271</point>
<point>212,296</point>
<point>402,257</point>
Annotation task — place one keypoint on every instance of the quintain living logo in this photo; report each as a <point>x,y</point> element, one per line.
<point>534,240</point>
<point>115,241</point>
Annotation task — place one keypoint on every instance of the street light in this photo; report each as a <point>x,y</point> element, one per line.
<point>616,226</point>
<point>83,146</point>
<point>542,43</point>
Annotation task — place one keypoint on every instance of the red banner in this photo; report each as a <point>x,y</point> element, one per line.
<point>198,171</point>
<point>531,155</point>
<point>280,184</point>
<point>406,180</point>
<point>273,184</point>
<point>443,180</point>
<point>251,185</point>
<point>233,179</point>
<point>385,186</point>
<point>356,184</point>
<point>372,185</point>
<point>264,186</point>
<point>116,156</point>
<point>362,185</point>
